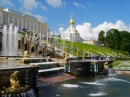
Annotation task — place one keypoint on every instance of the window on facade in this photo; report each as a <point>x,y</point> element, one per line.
<point>19,26</point>
<point>15,19</point>
<point>4,22</point>
<point>24,23</point>
<point>10,18</point>
<point>35,29</point>
<point>15,22</point>
<point>4,16</point>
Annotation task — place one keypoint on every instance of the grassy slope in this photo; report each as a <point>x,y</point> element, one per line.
<point>67,45</point>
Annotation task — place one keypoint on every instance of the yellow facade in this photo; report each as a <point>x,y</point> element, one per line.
<point>23,21</point>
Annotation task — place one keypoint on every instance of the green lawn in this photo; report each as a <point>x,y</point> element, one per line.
<point>99,50</point>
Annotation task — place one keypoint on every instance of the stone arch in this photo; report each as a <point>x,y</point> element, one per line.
<point>32,49</point>
<point>40,52</point>
<point>26,47</point>
<point>19,46</point>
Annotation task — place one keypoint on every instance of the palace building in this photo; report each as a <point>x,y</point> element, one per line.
<point>22,21</point>
<point>71,34</point>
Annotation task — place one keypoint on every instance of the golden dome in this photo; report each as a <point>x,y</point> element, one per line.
<point>71,21</point>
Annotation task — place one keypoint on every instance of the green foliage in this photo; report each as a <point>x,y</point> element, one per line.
<point>59,36</point>
<point>22,33</point>
<point>117,40</point>
<point>126,47</point>
<point>125,35</point>
<point>113,39</point>
<point>101,37</point>
<point>122,59</point>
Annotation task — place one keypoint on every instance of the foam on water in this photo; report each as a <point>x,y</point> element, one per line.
<point>116,79</point>
<point>97,94</point>
<point>70,85</point>
<point>92,83</point>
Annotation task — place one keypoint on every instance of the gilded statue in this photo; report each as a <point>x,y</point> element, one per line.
<point>25,54</point>
<point>14,81</point>
<point>83,57</point>
<point>106,65</point>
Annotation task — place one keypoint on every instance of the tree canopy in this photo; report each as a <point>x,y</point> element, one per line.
<point>114,39</point>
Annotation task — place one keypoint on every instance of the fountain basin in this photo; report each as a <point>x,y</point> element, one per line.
<point>87,67</point>
<point>26,93</point>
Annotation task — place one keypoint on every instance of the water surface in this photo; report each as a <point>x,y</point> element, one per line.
<point>117,86</point>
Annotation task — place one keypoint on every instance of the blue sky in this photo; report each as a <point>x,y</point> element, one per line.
<point>90,16</point>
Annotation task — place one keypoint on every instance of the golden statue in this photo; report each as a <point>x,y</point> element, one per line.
<point>25,57</point>
<point>77,53</point>
<point>14,82</point>
<point>106,65</point>
<point>84,52</point>
<point>66,56</point>
<point>14,85</point>
<point>25,54</point>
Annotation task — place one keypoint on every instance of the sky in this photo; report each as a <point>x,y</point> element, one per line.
<point>90,16</point>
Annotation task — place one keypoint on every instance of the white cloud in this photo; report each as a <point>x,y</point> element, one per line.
<point>85,30</point>
<point>7,2</point>
<point>78,5</point>
<point>88,33</point>
<point>55,3</point>
<point>29,4</point>
<point>39,17</point>
<point>44,8</point>
<point>107,26</point>
<point>61,29</point>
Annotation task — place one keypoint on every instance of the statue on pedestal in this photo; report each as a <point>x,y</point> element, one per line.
<point>25,54</point>
<point>84,53</point>
<point>25,57</point>
<point>106,65</point>
<point>77,52</point>
<point>14,82</point>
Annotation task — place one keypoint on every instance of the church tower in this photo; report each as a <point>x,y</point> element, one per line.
<point>71,34</point>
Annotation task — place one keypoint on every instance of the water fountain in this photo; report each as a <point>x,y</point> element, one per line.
<point>10,41</point>
<point>27,81</point>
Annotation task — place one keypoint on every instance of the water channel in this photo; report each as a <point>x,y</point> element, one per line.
<point>116,86</point>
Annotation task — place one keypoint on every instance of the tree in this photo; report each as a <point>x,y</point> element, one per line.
<point>101,37</point>
<point>126,47</point>
<point>113,39</point>
<point>109,39</point>
<point>117,39</point>
<point>125,35</point>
